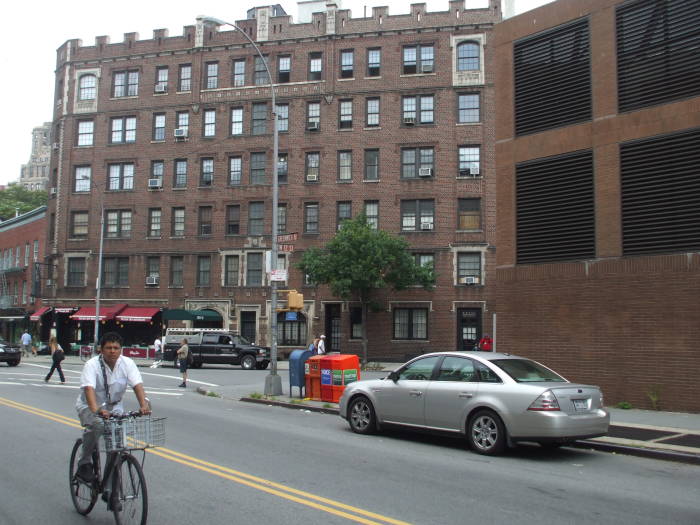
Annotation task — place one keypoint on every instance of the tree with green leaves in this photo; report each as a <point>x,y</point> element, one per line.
<point>16,198</point>
<point>359,261</point>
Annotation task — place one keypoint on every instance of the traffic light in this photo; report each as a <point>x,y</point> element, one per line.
<point>295,300</point>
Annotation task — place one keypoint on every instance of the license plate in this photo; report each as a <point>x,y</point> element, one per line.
<point>580,404</point>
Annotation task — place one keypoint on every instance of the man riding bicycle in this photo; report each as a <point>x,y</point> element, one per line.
<point>103,382</point>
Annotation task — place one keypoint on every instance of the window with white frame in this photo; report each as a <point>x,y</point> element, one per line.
<point>236,121</point>
<point>209,128</point>
<point>206,177</point>
<point>282,168</point>
<point>235,170</point>
<point>259,125</point>
<point>284,67</point>
<point>183,122</point>
<point>178,222</point>
<point>211,80</point>
<point>417,215</point>
<point>239,73</point>
<point>233,219</point>
<point>231,270</point>
<point>468,58</point>
<point>121,176</point>
<point>345,165</point>
<point>468,110</point>
<point>347,58</point>
<point>374,62</point>
<point>123,130</point>
<point>282,117</point>
<point>177,264</point>
<point>83,177</point>
<point>87,89</point>
<point>469,161</point>
<point>159,127</point>
<point>372,112</point>
<point>75,271</point>
<point>157,171</point>
<point>153,267</point>
<point>203,270</point>
<point>256,218</point>
<point>313,162</point>
<point>311,217</point>
<point>418,109</point>
<point>260,72</point>
<point>313,116</point>
<point>185,78</point>
<point>180,180</point>
<point>315,65</point>
<point>372,214</point>
<point>154,222</point>
<point>468,267</point>
<point>254,269</point>
<point>86,133</point>
<point>418,59</point>
<point>125,83</point>
<point>78,225</point>
<point>343,213</point>
<point>257,167</point>
<point>161,85</point>
<point>345,114</point>
<point>118,224</point>
<point>417,162</point>
<point>371,164</point>
<point>281,218</point>
<point>204,220</point>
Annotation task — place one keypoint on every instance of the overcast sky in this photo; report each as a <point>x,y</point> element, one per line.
<point>33,30</point>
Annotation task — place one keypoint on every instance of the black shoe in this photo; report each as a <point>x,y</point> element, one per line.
<point>182,385</point>
<point>86,473</point>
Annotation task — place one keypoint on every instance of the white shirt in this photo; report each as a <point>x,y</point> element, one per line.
<point>157,344</point>
<point>26,339</point>
<point>322,346</point>
<point>125,374</point>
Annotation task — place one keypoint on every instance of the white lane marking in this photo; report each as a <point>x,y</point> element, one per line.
<point>178,378</point>
<point>47,367</point>
<point>10,383</point>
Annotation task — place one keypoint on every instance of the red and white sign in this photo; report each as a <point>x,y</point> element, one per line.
<point>288,237</point>
<point>286,247</point>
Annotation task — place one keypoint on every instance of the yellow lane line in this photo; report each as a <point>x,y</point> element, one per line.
<point>264,485</point>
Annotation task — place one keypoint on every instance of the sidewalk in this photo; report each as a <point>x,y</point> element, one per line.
<point>671,436</point>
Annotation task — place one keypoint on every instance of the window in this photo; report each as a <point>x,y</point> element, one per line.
<point>24,292</point>
<point>157,170</point>
<point>417,162</point>
<point>259,119</point>
<point>257,168</point>
<point>412,323</point>
<point>282,117</point>
<point>159,126</point>
<point>203,270</point>
<point>256,218</point>
<point>123,130</point>
<point>372,112</point>
<point>281,218</point>
<point>345,117</point>
<point>374,62</point>
<point>235,170</point>
<point>35,256</point>
<point>313,160</point>
<point>313,116</point>
<point>180,173</point>
<point>211,80</point>
<point>417,215</point>
<point>291,333</point>
<point>355,322</point>
<point>284,66</point>
<point>233,219</point>
<point>185,78</point>
<point>418,59</point>
<point>115,272</point>
<point>161,85</point>
<point>468,56</point>
<point>231,270</point>
<point>176,267</point>
<point>236,121</point>
<point>315,65</point>
<point>76,271</point>
<point>238,73</point>
<point>154,222</point>
<point>371,164</point>
<point>78,225</point>
<point>347,57</point>
<point>468,265</point>
<point>125,84</point>
<point>457,369</point>
<point>468,108</point>
<point>254,269</point>
<point>204,219</point>
<point>153,267</point>
<point>426,260</point>
<point>87,87</point>
<point>83,176</point>
<point>260,77</point>
<point>26,254</point>
<point>469,163</point>
<point>345,165</point>
<point>121,177</point>
<point>118,224</point>
<point>209,127</point>
<point>183,121</point>
<point>418,110</point>
<point>343,213</point>
<point>282,168</point>
<point>469,214</point>
<point>311,217</point>
<point>206,177</point>
<point>86,132</point>
<point>178,222</point>
<point>372,214</point>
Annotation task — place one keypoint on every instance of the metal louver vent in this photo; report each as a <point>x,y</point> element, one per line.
<point>555,209</point>
<point>661,194</point>
<point>658,52</point>
<point>553,78</point>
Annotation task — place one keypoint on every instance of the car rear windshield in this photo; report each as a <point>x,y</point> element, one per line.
<point>526,371</point>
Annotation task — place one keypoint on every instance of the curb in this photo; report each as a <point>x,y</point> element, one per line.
<point>322,410</point>
<point>643,452</point>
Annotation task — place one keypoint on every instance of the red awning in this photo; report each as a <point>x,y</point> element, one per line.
<point>64,309</point>
<point>36,316</point>
<point>135,314</point>
<point>87,313</point>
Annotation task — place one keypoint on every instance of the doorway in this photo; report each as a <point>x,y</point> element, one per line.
<point>248,325</point>
<point>468,328</point>
<point>332,327</point>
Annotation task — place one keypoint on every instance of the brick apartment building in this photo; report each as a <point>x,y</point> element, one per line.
<point>387,115</point>
<point>22,241</point>
<point>598,155</point>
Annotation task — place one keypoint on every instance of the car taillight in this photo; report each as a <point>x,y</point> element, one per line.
<point>546,402</point>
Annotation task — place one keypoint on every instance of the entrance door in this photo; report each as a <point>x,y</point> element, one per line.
<point>468,328</point>
<point>248,326</point>
<point>332,328</point>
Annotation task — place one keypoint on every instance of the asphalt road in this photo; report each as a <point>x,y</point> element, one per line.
<point>231,462</point>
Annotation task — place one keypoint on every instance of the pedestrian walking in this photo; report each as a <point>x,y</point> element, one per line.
<point>317,340</point>
<point>26,343</point>
<point>57,355</point>
<point>322,344</point>
<point>183,354</point>
<point>158,348</point>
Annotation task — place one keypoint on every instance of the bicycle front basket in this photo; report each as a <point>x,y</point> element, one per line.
<point>134,433</point>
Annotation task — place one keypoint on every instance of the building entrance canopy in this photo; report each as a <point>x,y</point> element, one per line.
<point>134,314</point>
<point>36,316</point>
<point>179,314</point>
<point>107,313</point>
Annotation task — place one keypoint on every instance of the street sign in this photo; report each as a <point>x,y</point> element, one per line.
<point>287,237</point>
<point>278,275</point>
<point>290,316</point>
<point>285,247</point>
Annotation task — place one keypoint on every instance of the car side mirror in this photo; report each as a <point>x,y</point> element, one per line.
<point>393,375</point>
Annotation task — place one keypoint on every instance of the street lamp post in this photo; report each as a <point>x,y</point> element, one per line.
<point>273,382</point>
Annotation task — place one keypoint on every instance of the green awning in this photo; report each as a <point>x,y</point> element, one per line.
<point>205,315</point>
<point>179,314</point>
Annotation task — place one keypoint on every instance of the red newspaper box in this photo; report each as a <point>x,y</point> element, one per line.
<point>337,370</point>
<point>312,377</point>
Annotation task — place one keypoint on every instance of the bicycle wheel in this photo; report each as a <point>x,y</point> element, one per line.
<point>84,495</point>
<point>129,496</point>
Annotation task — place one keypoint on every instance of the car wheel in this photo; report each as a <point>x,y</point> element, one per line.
<point>486,433</point>
<point>361,416</point>
<point>12,363</point>
<point>262,365</point>
<point>248,362</point>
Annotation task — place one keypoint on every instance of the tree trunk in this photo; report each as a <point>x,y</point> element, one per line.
<point>363,302</point>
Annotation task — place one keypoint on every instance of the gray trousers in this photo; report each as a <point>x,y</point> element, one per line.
<point>94,427</point>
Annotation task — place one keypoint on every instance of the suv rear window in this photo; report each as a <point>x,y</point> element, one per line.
<point>526,371</point>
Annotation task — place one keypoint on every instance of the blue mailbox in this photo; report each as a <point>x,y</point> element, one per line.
<point>297,375</point>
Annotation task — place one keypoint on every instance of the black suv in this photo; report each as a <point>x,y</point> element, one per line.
<point>9,353</point>
<point>217,347</point>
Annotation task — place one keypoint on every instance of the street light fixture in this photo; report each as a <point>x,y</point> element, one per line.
<point>273,382</point>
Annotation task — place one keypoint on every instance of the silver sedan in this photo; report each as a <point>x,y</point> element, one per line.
<point>494,399</point>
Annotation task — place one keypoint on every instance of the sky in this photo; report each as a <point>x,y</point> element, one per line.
<point>33,30</point>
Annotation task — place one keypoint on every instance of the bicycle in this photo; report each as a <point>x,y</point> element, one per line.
<point>123,485</point>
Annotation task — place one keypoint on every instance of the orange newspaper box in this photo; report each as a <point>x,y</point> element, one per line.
<point>338,370</point>
<point>312,377</point>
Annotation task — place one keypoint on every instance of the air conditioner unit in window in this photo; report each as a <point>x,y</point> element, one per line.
<point>312,177</point>
<point>161,88</point>
<point>409,121</point>
<point>49,282</point>
<point>154,183</point>
<point>55,145</point>
<point>152,280</point>
<point>425,172</point>
<point>180,133</point>
<point>426,68</point>
<point>313,126</point>
<point>474,170</point>
<point>426,225</point>
<point>469,280</point>
<point>52,191</point>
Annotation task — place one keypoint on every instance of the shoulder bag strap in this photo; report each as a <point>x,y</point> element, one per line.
<point>104,379</point>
